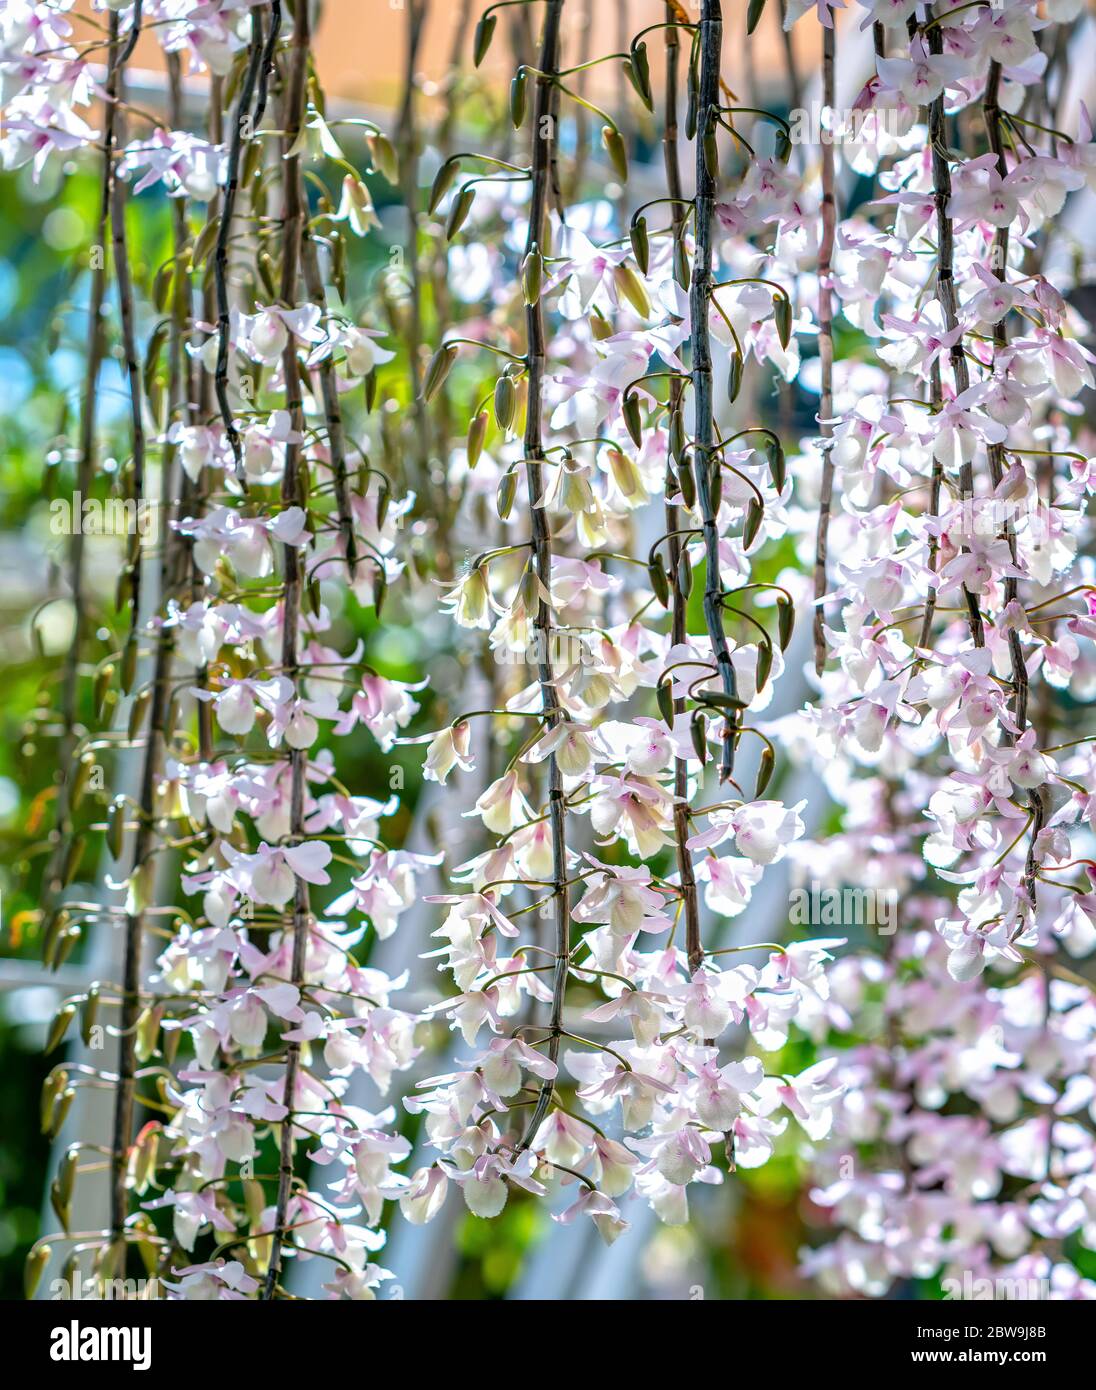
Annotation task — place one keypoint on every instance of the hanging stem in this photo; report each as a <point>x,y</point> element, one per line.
<point>543,143</point>
<point>936,396</point>
<point>119,190</point>
<point>623,106</point>
<point>85,471</point>
<point>240,132</point>
<point>439,267</point>
<point>678,630</point>
<point>177,393</point>
<point>706,461</point>
<point>266,71</point>
<point>295,225</point>
<point>998,263</point>
<point>202,397</point>
<point>825,347</point>
<point>409,176</point>
<point>329,390</point>
<point>131,963</point>
<point>945,290</point>
<point>992,115</point>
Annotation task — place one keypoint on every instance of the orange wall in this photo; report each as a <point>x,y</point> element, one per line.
<point>360,44</point>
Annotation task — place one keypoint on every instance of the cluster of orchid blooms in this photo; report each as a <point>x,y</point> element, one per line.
<point>607,1048</point>
<point>963,1142</point>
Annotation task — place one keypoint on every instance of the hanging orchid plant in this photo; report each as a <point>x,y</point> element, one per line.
<point>745,489</point>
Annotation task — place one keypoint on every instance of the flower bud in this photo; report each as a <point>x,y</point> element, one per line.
<point>485,32</point>
<point>518,98</point>
<point>477,432</point>
<point>458,213</point>
<point>443,181</point>
<point>532,275</point>
<point>613,141</point>
<point>734,377</point>
<point>782,315</point>
<point>505,402</point>
<point>764,771</point>
<point>630,410</point>
<point>34,1268</point>
<point>641,245</point>
<point>630,286</point>
<point>441,364</point>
